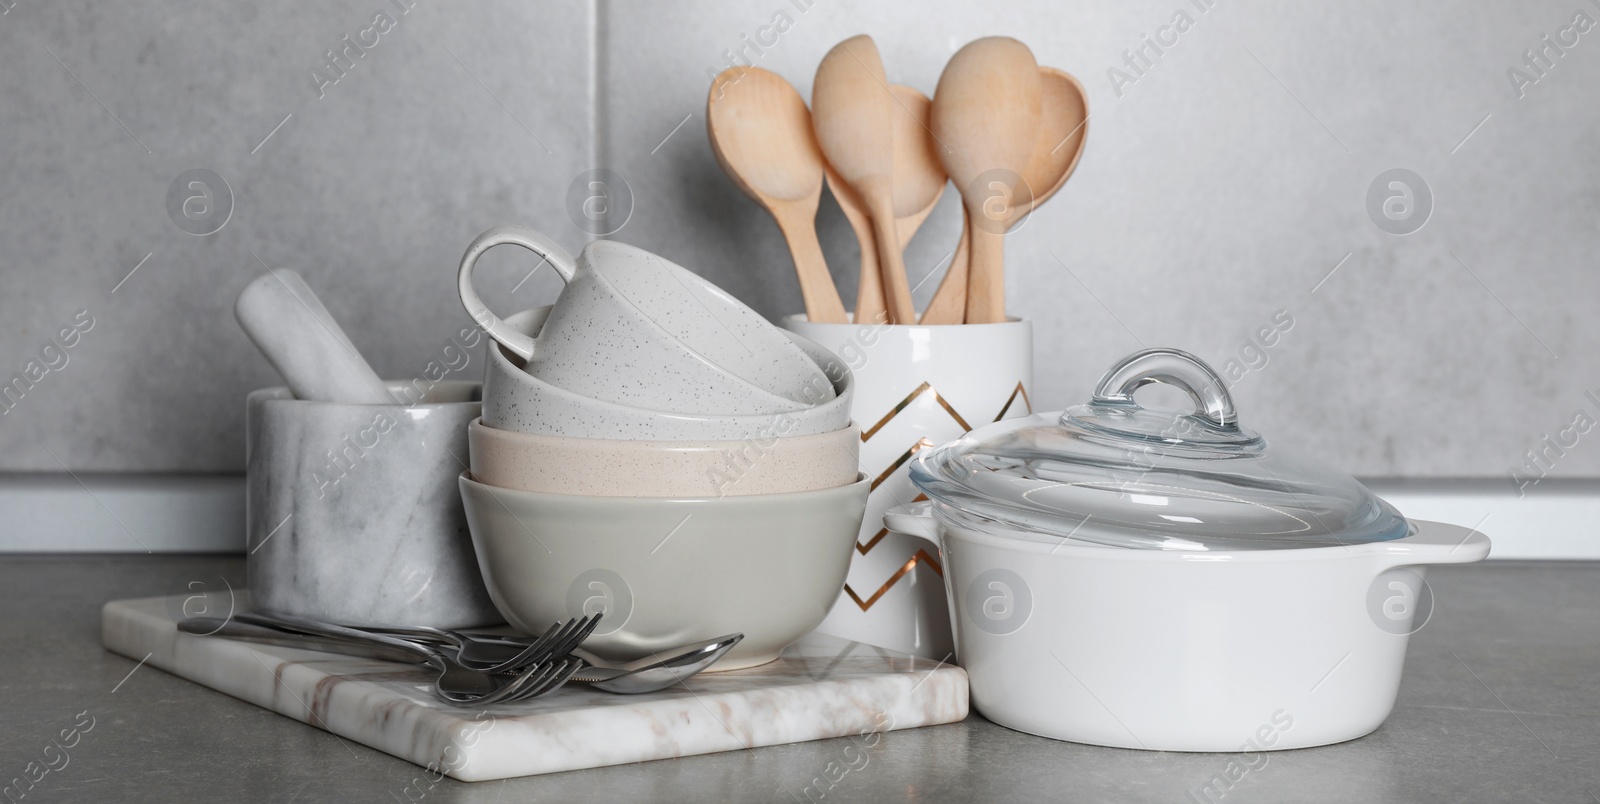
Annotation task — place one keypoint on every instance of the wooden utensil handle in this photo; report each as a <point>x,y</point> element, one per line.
<point>892,269</point>
<point>986,278</point>
<point>869,293</point>
<point>949,304</point>
<point>817,290</point>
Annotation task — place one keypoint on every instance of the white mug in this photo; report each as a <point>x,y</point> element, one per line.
<point>513,399</point>
<point>635,329</point>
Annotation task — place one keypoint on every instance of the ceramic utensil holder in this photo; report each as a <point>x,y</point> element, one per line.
<point>352,511</point>
<point>916,387</point>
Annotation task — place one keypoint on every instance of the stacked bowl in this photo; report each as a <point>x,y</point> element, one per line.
<point>653,449</point>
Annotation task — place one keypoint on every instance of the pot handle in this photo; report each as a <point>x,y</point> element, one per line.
<point>915,519</point>
<point>536,242</point>
<point>1172,367</point>
<point>1434,543</point>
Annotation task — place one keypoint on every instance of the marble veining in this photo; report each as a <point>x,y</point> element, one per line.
<point>819,688</point>
<point>352,512</point>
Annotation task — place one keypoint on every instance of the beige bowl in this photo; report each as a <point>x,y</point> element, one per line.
<point>604,467</point>
<point>667,572</point>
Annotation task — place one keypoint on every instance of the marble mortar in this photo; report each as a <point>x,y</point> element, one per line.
<point>352,511</point>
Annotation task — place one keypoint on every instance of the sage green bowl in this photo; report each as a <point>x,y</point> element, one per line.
<point>667,572</point>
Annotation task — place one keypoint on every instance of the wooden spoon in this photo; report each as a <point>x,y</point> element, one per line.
<point>986,115</point>
<point>1056,149</point>
<point>919,179</point>
<point>869,289</point>
<point>761,134</point>
<point>1063,127</point>
<point>949,302</point>
<point>853,114</point>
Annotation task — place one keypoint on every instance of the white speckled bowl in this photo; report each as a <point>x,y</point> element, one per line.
<point>633,328</point>
<point>605,467</point>
<point>516,400</point>
<point>667,572</point>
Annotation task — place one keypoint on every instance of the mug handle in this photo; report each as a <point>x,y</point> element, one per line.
<point>536,242</point>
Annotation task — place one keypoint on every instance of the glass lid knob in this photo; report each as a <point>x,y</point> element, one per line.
<point>1213,420</point>
<point>1178,369</point>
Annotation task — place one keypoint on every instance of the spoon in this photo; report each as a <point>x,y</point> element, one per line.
<point>234,629</point>
<point>486,653</point>
<point>869,288</point>
<point>919,178</point>
<point>456,684</point>
<point>852,109</point>
<point>1056,149</point>
<point>508,657</point>
<point>541,668</point>
<point>986,112</point>
<point>761,134</point>
<point>1063,129</point>
<point>919,182</point>
<point>466,685</point>
<point>653,672</point>
<point>949,302</point>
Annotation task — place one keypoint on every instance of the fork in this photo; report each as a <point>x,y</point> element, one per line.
<point>471,649</point>
<point>464,686</point>
<point>533,670</point>
<point>558,640</point>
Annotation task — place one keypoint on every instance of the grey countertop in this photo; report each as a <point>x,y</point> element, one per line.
<point>1500,702</point>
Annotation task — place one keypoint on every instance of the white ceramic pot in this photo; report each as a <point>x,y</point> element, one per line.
<point>916,386</point>
<point>635,329</point>
<point>1176,651</point>
<point>1126,577</point>
<point>516,400</point>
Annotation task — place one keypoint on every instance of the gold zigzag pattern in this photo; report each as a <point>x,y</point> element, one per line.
<point>1015,392</point>
<point>922,444</point>
<point>866,435</point>
<point>905,569</point>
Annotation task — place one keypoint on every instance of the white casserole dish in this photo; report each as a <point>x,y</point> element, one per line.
<point>1172,608</point>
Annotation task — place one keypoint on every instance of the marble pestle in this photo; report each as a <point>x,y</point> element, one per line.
<point>304,343</point>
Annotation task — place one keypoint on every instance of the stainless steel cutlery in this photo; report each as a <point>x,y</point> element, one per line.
<point>478,669</point>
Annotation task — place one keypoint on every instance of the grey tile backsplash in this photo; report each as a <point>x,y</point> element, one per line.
<point>1224,205</point>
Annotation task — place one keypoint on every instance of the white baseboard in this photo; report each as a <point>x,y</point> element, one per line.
<point>121,513</point>
<point>1559,519</point>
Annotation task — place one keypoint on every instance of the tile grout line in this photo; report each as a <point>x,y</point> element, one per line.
<point>597,133</point>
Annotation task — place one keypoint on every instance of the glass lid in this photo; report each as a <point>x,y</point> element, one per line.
<point>1115,474</point>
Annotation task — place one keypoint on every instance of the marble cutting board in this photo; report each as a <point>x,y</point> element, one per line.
<point>821,687</point>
